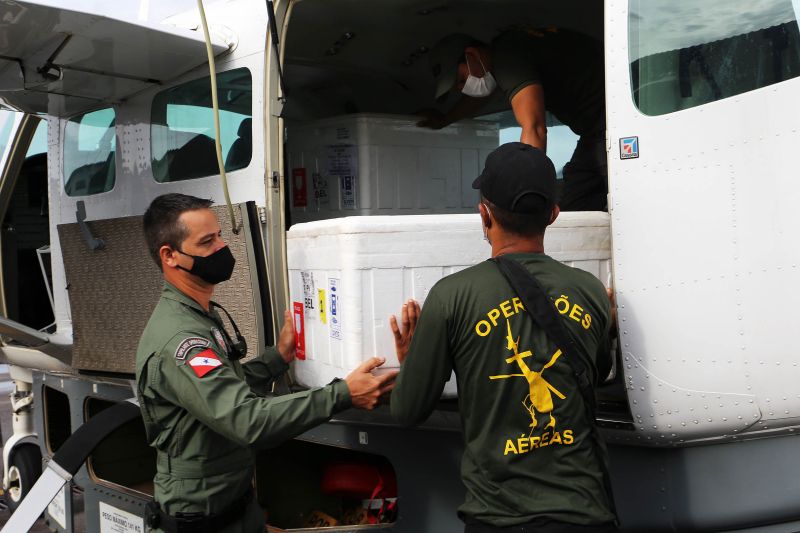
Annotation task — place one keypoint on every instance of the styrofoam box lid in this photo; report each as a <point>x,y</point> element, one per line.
<point>354,243</point>
<point>395,130</point>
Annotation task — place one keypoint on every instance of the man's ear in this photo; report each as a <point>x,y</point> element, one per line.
<point>477,57</point>
<point>486,218</point>
<point>168,256</point>
<point>554,214</point>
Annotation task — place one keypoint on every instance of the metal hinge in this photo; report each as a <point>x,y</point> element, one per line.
<point>262,214</point>
<point>275,180</point>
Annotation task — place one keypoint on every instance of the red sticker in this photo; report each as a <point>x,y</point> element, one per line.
<point>299,187</point>
<point>204,362</point>
<point>300,331</point>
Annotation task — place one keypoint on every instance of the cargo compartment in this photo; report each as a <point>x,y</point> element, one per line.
<point>304,486</point>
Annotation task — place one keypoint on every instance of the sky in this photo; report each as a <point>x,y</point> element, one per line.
<point>561,143</point>
<point>673,24</point>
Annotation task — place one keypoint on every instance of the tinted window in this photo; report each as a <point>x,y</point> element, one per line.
<point>183,127</point>
<point>685,53</point>
<point>6,123</point>
<point>89,148</point>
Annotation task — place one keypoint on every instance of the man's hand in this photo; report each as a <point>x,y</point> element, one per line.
<point>613,301</point>
<point>409,315</point>
<point>366,389</point>
<point>286,338</point>
<point>431,118</point>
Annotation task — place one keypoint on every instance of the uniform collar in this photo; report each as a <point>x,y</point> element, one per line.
<point>171,292</point>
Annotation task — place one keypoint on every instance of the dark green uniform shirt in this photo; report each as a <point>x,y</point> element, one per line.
<point>568,66</point>
<point>203,412</point>
<point>528,449</point>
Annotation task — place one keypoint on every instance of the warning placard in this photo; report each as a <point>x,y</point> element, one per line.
<point>113,520</point>
<point>299,330</point>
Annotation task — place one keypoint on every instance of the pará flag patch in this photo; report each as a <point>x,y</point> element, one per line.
<point>204,362</point>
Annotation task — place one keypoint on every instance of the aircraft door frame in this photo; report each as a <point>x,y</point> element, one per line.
<point>11,160</point>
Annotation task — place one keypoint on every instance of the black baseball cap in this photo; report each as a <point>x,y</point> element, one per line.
<point>517,177</point>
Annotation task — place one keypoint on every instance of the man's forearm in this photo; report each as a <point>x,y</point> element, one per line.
<point>535,136</point>
<point>466,107</point>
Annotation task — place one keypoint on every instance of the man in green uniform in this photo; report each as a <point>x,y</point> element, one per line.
<point>202,408</point>
<point>560,71</point>
<point>529,462</point>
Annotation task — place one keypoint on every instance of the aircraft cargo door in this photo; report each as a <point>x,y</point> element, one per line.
<point>704,199</point>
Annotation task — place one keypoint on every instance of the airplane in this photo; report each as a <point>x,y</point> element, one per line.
<point>106,107</point>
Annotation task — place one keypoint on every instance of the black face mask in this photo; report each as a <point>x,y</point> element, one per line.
<point>213,268</point>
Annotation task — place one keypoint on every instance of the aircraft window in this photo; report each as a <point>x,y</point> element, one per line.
<point>90,143</point>
<point>684,53</point>
<point>6,123</point>
<point>183,127</point>
<point>39,142</point>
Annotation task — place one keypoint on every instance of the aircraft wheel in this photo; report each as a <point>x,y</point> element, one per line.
<point>24,468</point>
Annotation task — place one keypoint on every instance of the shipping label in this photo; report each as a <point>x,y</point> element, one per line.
<point>308,289</point>
<point>322,306</point>
<point>299,330</point>
<point>334,311</point>
<point>348,192</point>
<point>299,188</point>
<point>320,184</point>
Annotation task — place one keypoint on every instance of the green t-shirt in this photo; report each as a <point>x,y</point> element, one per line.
<point>528,449</point>
<point>568,66</point>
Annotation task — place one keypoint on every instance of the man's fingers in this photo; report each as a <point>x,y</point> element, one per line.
<point>395,329</point>
<point>389,376</point>
<point>387,388</point>
<point>404,316</point>
<point>413,312</point>
<point>370,364</point>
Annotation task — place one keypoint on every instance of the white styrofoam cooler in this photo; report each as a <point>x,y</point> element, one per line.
<point>371,164</point>
<point>347,276</point>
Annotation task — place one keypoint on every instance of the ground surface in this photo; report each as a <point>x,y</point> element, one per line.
<point>6,386</point>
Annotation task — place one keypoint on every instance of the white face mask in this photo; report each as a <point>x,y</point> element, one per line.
<point>479,87</point>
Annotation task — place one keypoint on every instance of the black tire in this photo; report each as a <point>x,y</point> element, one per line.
<point>24,468</point>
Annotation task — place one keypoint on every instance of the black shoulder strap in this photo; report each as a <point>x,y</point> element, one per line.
<point>544,314</point>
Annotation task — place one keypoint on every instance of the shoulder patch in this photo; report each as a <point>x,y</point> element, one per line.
<point>188,344</point>
<point>204,362</point>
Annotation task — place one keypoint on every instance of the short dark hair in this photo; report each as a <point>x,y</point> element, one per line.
<point>161,225</point>
<point>523,224</point>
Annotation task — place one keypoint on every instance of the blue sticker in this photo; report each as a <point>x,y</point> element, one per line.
<point>629,147</point>
<point>334,311</point>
